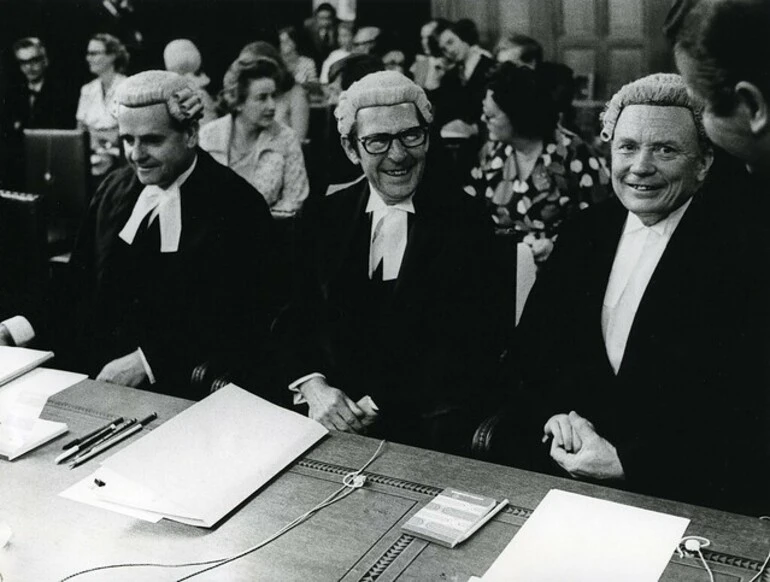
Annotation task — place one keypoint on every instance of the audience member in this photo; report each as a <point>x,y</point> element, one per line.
<point>368,41</point>
<point>525,51</point>
<point>429,67</point>
<point>532,173</point>
<point>107,58</point>
<point>461,89</point>
<point>181,56</point>
<point>173,259</point>
<point>293,53</point>
<point>41,100</point>
<point>323,32</point>
<point>251,142</point>
<point>292,106</point>
<point>394,330</point>
<point>722,50</point>
<point>641,319</point>
<point>345,31</point>
<point>396,60</point>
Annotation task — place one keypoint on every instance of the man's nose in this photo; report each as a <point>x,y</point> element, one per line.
<point>397,151</point>
<point>643,162</point>
<point>136,152</point>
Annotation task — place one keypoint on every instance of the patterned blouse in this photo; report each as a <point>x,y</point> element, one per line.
<point>568,176</point>
<point>275,166</point>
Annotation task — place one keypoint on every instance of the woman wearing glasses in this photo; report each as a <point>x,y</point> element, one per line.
<point>532,174</point>
<point>251,142</point>
<point>107,58</point>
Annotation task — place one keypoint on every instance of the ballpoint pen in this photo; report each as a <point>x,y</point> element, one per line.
<point>500,506</point>
<point>80,440</point>
<point>96,437</point>
<point>113,440</point>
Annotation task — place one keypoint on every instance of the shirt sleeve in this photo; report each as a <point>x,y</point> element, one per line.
<point>299,398</point>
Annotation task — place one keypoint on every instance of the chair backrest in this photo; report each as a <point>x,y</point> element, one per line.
<point>58,168</point>
<point>23,250</point>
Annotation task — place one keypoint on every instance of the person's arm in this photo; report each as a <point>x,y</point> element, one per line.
<point>295,187</point>
<point>16,331</point>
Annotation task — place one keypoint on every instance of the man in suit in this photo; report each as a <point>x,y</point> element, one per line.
<point>636,342</point>
<point>395,329</point>
<point>721,49</point>
<point>321,29</point>
<point>174,255</point>
<point>39,101</point>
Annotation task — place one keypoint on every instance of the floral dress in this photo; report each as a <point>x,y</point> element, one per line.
<point>568,176</point>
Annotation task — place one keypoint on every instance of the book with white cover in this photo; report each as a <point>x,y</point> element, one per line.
<point>198,466</point>
<point>16,361</point>
<point>13,445</point>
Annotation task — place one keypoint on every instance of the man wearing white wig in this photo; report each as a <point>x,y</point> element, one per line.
<point>636,339</point>
<point>394,330</point>
<point>172,257</point>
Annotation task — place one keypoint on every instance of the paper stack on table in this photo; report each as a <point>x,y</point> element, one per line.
<point>201,464</point>
<point>583,539</point>
<point>24,390</point>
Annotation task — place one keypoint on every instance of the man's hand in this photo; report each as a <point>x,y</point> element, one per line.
<point>560,429</point>
<point>332,408</point>
<point>126,371</point>
<point>596,459</point>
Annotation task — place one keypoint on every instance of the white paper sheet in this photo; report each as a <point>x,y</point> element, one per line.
<point>15,361</point>
<point>583,539</point>
<point>202,463</point>
<point>84,491</point>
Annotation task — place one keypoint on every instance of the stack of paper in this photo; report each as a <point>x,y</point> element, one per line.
<point>202,463</point>
<point>17,361</point>
<point>582,539</point>
<point>21,402</point>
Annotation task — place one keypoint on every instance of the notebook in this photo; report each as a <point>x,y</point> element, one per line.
<point>449,517</point>
<point>201,464</point>
<point>15,443</point>
<point>17,361</point>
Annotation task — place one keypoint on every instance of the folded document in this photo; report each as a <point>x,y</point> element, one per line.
<point>198,466</point>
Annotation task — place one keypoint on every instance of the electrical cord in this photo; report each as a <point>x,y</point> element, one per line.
<point>350,482</point>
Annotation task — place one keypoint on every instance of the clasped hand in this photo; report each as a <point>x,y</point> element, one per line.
<point>332,408</point>
<point>579,450</point>
<point>126,371</point>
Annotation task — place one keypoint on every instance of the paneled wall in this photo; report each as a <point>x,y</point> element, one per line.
<point>613,40</point>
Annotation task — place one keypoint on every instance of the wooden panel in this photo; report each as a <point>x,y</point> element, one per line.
<point>579,17</point>
<point>514,16</point>
<point>581,60</point>
<point>625,65</point>
<point>626,19</point>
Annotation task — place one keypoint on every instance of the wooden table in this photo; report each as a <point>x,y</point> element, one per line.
<point>358,539</point>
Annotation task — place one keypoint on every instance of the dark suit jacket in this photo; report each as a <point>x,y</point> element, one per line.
<point>681,407</point>
<point>423,349</point>
<point>210,300</point>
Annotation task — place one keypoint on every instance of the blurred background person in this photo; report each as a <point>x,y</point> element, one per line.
<point>368,40</point>
<point>292,104</point>
<point>107,58</point>
<point>323,32</point>
<point>183,57</point>
<point>345,31</point>
<point>251,142</point>
<point>429,66</point>
<point>532,173</point>
<point>294,51</point>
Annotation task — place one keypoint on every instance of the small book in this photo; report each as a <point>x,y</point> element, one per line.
<point>17,361</point>
<point>13,445</point>
<point>450,517</point>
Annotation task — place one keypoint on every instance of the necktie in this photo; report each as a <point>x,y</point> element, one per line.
<point>169,215</point>
<point>388,243</point>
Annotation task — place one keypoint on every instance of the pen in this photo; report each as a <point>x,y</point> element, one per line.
<point>109,426</point>
<point>486,518</point>
<point>102,435</point>
<point>113,440</point>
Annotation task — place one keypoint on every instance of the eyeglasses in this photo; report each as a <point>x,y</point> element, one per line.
<point>379,143</point>
<point>32,61</point>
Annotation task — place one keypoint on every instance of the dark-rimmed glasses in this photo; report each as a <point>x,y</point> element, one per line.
<point>379,143</point>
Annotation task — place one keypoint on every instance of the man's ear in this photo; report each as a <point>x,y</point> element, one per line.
<point>350,150</point>
<point>191,136</point>
<point>706,161</point>
<point>756,105</point>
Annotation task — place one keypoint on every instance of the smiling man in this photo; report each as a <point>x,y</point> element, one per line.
<point>394,330</point>
<point>638,323</point>
<point>173,256</point>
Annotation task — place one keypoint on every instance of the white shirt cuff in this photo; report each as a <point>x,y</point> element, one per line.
<point>299,398</point>
<point>146,365</point>
<point>20,328</point>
